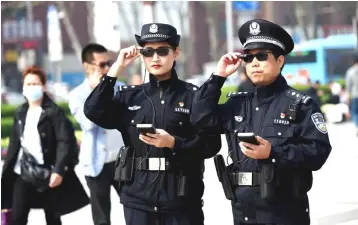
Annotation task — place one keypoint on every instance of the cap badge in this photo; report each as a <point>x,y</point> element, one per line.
<point>254,28</point>
<point>153,28</point>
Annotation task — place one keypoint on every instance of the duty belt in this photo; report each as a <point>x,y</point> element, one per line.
<point>151,164</point>
<point>245,179</point>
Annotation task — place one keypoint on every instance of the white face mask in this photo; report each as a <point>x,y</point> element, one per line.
<point>33,93</point>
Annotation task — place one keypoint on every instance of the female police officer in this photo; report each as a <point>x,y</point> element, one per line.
<point>271,178</point>
<point>167,186</point>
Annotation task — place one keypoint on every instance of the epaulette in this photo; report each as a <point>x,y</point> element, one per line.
<point>191,87</point>
<point>239,94</point>
<point>129,87</point>
<point>298,96</point>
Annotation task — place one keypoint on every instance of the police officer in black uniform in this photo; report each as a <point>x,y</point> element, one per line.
<point>269,180</point>
<point>161,174</point>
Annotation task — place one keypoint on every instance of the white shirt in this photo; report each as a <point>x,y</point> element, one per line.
<point>31,140</point>
<point>114,143</point>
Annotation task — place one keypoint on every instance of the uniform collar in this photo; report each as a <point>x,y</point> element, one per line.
<point>163,84</point>
<point>269,90</point>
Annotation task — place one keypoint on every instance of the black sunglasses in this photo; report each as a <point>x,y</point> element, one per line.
<point>161,51</point>
<point>102,65</point>
<point>261,56</point>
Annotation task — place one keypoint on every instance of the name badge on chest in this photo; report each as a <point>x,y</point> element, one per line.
<point>282,120</point>
<point>181,109</point>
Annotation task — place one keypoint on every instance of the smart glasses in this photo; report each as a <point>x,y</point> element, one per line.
<point>161,51</point>
<point>261,56</point>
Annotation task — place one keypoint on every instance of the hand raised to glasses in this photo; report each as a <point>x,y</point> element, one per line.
<point>125,57</point>
<point>95,77</point>
<point>228,64</point>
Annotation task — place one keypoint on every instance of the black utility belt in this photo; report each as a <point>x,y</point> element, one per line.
<point>152,164</point>
<point>245,179</point>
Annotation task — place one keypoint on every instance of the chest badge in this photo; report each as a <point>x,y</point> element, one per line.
<point>282,120</point>
<point>181,109</point>
<point>238,119</point>
<point>134,108</point>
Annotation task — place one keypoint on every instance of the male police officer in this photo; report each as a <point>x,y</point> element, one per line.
<point>270,180</point>
<point>160,171</point>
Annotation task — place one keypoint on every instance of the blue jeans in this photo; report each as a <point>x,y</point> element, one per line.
<point>354,110</point>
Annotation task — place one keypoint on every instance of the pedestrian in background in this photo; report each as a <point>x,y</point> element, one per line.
<point>99,146</point>
<point>43,140</point>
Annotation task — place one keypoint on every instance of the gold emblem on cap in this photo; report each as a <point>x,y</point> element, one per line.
<point>254,28</point>
<point>181,104</point>
<point>153,28</point>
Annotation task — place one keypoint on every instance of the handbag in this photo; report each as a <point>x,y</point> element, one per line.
<point>32,172</point>
<point>6,216</point>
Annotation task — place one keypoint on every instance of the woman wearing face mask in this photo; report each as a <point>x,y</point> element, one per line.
<point>41,131</point>
<point>165,183</point>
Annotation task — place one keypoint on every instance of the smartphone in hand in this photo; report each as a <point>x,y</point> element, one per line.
<point>146,128</point>
<point>248,137</point>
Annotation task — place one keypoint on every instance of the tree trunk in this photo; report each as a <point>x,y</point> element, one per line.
<point>90,21</point>
<point>300,17</point>
<point>211,19</point>
<point>76,46</point>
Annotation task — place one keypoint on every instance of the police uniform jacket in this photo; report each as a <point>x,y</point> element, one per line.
<point>166,104</point>
<point>301,145</point>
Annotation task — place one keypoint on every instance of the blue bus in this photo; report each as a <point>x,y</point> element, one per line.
<point>322,60</point>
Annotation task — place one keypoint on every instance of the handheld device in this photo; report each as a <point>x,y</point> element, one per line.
<point>248,137</point>
<point>146,128</point>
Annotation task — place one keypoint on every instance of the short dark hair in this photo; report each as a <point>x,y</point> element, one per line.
<point>356,59</point>
<point>89,49</point>
<point>276,55</point>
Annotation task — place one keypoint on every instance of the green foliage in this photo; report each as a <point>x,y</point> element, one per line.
<point>7,116</point>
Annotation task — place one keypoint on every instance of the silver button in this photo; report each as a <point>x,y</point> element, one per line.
<point>180,123</point>
<point>194,88</point>
<point>162,102</point>
<point>306,209</point>
<point>257,108</point>
<point>273,160</point>
<point>43,134</point>
<point>279,133</point>
<point>155,208</point>
<point>103,78</point>
<point>246,218</point>
<point>132,121</point>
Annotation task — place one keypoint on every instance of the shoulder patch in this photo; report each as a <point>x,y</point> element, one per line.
<point>298,96</point>
<point>239,94</point>
<point>318,120</point>
<point>129,87</point>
